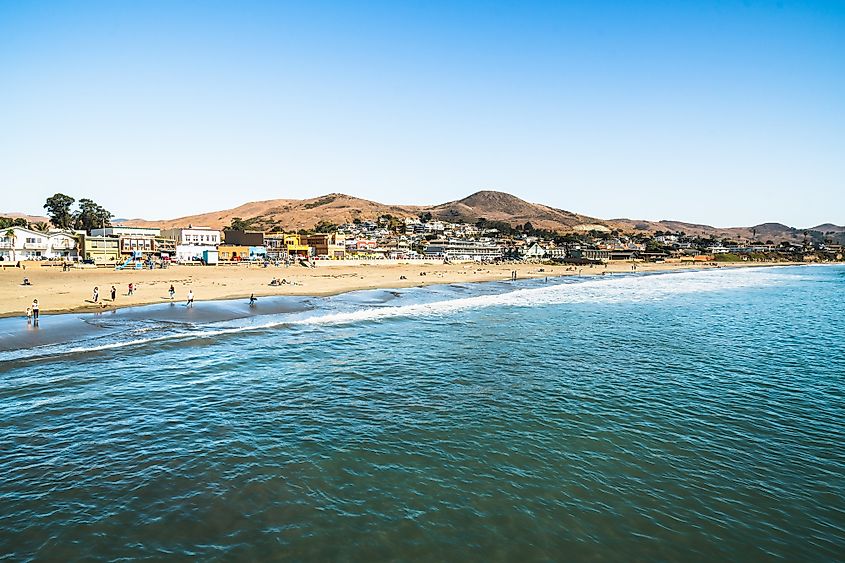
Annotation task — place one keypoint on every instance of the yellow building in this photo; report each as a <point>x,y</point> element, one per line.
<point>280,246</point>
<point>233,252</point>
<point>295,246</point>
<point>100,250</point>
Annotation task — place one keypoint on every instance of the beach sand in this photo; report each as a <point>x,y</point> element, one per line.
<point>59,291</point>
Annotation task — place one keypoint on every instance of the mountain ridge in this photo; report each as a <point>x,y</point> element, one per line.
<point>338,208</point>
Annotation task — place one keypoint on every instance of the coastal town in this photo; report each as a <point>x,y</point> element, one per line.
<point>81,259</point>
<point>385,239</point>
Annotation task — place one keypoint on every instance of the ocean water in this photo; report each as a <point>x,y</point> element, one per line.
<point>681,416</point>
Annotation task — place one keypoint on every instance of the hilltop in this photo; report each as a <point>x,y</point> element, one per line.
<point>500,206</point>
<point>337,208</point>
<point>289,214</point>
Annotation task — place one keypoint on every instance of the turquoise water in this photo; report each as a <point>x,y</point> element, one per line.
<point>684,416</point>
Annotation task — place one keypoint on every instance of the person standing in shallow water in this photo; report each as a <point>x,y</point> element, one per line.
<point>35,311</point>
<point>190,302</point>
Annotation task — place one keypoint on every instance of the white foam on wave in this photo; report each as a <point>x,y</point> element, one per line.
<point>603,290</point>
<point>599,290</point>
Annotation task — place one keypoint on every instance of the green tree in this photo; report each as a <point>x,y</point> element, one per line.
<point>425,217</point>
<point>239,224</point>
<point>10,234</point>
<point>91,216</point>
<point>325,227</point>
<point>39,226</point>
<point>58,208</point>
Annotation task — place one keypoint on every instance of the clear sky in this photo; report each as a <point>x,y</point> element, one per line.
<point>727,113</point>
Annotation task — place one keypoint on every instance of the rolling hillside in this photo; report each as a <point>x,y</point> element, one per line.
<point>295,214</point>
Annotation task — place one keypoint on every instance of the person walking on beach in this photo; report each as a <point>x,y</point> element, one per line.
<point>113,293</point>
<point>172,292</point>
<point>131,288</point>
<point>190,302</point>
<point>35,311</point>
<point>96,296</point>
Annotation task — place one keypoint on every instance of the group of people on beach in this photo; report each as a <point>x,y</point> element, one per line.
<point>32,312</point>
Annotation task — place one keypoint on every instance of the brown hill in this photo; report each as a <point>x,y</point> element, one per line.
<point>288,214</point>
<point>295,214</point>
<point>29,218</point>
<point>828,228</point>
<point>500,206</point>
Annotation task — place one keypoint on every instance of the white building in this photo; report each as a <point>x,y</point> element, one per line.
<point>119,230</point>
<point>21,243</point>
<point>535,251</point>
<point>193,241</point>
<point>463,250</point>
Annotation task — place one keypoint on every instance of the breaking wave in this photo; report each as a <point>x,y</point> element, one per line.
<point>597,290</point>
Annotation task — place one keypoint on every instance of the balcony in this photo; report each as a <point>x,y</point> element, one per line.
<point>35,246</point>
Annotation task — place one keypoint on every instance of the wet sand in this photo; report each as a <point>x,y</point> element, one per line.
<point>61,292</point>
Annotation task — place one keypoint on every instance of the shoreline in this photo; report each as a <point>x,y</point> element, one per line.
<point>70,292</point>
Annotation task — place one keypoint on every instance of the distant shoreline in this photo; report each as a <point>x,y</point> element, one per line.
<point>71,292</point>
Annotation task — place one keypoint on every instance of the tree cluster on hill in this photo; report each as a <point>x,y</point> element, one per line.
<point>87,215</point>
<point>7,222</point>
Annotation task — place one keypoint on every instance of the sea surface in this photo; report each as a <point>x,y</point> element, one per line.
<point>695,416</point>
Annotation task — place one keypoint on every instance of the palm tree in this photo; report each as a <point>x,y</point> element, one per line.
<point>10,234</point>
<point>39,226</point>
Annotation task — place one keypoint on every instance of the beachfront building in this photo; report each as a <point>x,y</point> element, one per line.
<point>275,245</point>
<point>327,245</point>
<point>241,253</point>
<point>21,243</point>
<point>99,250</point>
<point>579,253</point>
<point>556,252</point>
<point>120,230</point>
<point>463,250</point>
<point>165,247</point>
<point>193,241</point>
<point>535,252</point>
<point>138,246</point>
<point>139,242</point>
<point>282,246</point>
<point>233,253</point>
<point>243,238</point>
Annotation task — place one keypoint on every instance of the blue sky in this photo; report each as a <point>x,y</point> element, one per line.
<point>727,113</point>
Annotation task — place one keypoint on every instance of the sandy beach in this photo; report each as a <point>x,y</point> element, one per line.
<point>59,292</point>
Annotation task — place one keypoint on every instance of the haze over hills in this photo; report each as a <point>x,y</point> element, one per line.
<point>337,208</point>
